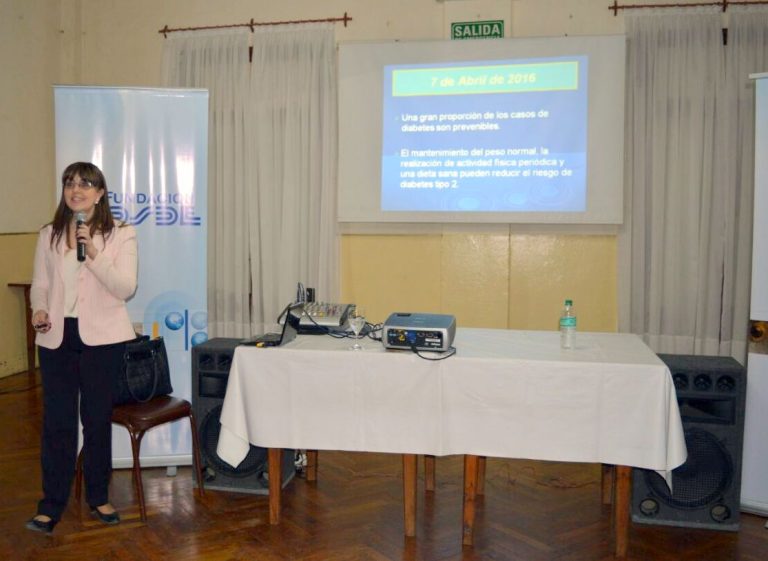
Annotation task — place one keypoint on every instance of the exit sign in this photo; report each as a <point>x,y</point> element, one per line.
<point>492,29</point>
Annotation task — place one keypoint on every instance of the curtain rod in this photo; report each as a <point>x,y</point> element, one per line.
<point>724,3</point>
<point>251,24</point>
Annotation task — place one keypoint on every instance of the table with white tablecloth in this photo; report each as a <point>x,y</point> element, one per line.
<point>509,394</point>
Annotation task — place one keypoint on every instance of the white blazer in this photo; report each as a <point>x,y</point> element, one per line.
<point>104,284</point>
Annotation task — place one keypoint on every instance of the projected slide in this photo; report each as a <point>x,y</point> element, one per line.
<point>523,130</point>
<point>491,136</point>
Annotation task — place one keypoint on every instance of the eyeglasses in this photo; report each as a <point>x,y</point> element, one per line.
<point>84,184</point>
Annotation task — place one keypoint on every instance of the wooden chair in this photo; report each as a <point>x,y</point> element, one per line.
<point>138,418</point>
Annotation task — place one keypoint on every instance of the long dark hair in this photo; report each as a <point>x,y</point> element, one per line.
<point>101,221</point>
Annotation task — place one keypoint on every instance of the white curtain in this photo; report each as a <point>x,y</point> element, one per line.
<point>293,148</point>
<point>272,166</point>
<point>689,198</point>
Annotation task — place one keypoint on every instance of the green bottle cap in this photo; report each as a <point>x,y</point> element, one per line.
<point>569,302</point>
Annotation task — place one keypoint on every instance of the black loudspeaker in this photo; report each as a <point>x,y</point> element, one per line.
<point>210,371</point>
<point>706,489</point>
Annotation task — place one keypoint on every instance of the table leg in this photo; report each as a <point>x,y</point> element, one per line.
<point>429,473</point>
<point>470,493</point>
<point>410,467</point>
<point>606,481</point>
<point>311,465</point>
<point>481,461</point>
<point>623,476</point>
<point>275,461</point>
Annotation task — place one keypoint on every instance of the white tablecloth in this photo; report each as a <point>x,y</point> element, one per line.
<point>511,394</point>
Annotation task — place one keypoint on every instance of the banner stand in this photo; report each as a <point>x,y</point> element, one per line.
<point>152,146</point>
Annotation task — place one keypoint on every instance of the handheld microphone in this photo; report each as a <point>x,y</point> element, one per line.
<point>80,220</point>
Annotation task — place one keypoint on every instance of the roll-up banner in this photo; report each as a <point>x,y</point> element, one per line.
<point>151,145</point>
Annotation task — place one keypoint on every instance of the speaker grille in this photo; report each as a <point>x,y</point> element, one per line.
<point>254,463</point>
<point>703,478</point>
<point>711,393</point>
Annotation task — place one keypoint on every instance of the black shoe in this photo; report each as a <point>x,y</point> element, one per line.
<point>111,519</point>
<point>40,526</point>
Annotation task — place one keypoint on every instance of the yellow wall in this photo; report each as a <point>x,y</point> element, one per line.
<point>501,280</point>
<point>16,252</point>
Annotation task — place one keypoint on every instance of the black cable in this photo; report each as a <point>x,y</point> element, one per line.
<point>443,355</point>
<point>369,329</point>
<point>374,328</point>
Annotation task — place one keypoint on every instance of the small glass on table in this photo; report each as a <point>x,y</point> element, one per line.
<point>356,323</point>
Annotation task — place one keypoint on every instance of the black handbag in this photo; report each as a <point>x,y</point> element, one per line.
<point>144,373</point>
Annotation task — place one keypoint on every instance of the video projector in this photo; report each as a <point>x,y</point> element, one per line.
<point>422,332</point>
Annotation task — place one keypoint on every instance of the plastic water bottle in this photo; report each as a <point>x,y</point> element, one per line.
<point>567,326</point>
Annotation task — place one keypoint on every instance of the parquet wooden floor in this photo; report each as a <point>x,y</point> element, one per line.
<point>532,511</point>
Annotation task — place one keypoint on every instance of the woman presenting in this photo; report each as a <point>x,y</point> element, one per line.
<point>78,299</point>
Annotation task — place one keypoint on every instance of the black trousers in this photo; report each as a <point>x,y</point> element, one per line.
<point>71,371</point>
